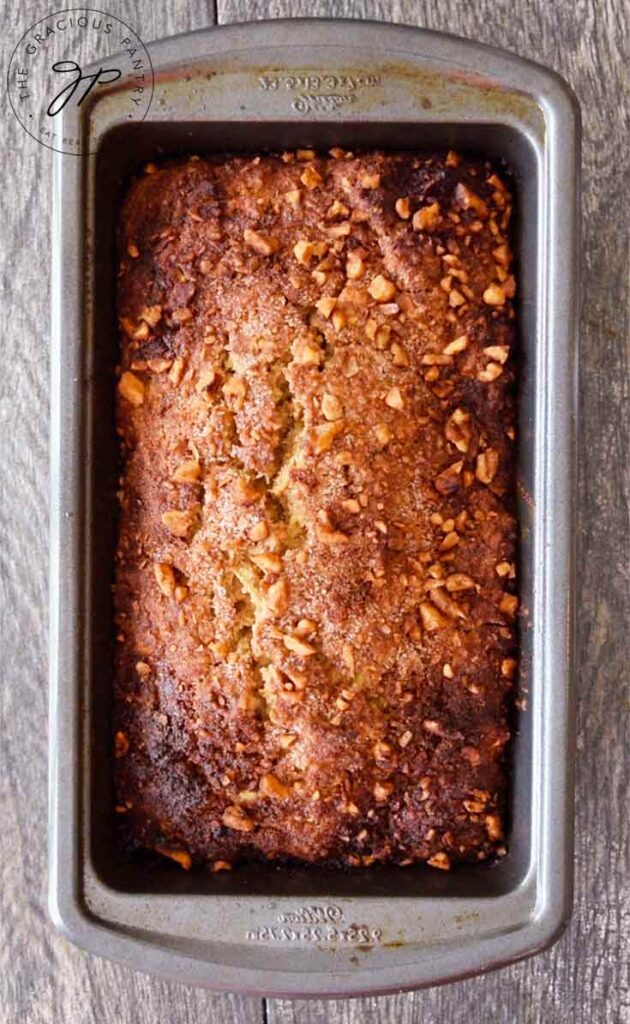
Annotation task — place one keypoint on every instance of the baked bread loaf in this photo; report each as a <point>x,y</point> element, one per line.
<point>315,580</point>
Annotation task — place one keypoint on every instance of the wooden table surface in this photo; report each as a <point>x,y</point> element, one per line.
<point>584,978</point>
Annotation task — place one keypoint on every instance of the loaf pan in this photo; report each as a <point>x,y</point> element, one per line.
<point>314,932</point>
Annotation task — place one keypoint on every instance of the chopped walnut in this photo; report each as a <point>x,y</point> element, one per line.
<point>177,371</point>
<point>459,581</point>
<point>296,645</point>
<point>427,218</point>
<point>459,344</point>
<point>399,354</point>
<point>458,430</point>
<point>491,372</point>
<point>432,619</point>
<point>337,209</point>
<point>339,230</point>
<point>138,332</point>
<point>304,251</point>
<point>306,353</point>
<point>450,541</point>
<point>235,818</point>
<point>272,787</point>
<point>165,578</point>
<point>325,305</point>
<point>220,865</point>
<point>306,627</point>
<point>311,178</point>
<point>502,255</point>
<point>159,365</point>
<point>187,472</point>
<point>493,826</point>
<point>497,352</point>
<point>381,288</point>
<point>474,806</point>
<point>372,180</point>
<point>177,522</point>
<point>383,790</point>
<point>440,860</point>
<point>331,407</point>
<point>181,315</point>
<point>394,399</point>
<point>262,244</point>
<point>509,286</point>
<point>355,267</point>
<point>470,200</point>
<point>487,465</point>
<point>508,668</point>
<point>181,857</point>
<point>133,250</point>
<point>448,480</point>
<point>338,319</point>
<point>509,605</point>
<point>494,295</point>
<point>324,436</point>
<point>403,208</point>
<point>131,388</point>
<point>382,336</point>
<point>436,359</point>
<point>446,604</point>
<point>151,315</point>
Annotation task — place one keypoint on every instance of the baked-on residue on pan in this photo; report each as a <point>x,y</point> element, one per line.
<point>315,579</point>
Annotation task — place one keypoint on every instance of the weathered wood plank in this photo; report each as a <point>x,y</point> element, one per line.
<point>43,979</point>
<point>583,978</point>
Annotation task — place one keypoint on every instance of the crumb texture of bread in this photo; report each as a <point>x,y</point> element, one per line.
<point>315,593</point>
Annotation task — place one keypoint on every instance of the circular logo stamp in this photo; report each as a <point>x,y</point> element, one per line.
<point>64,60</point>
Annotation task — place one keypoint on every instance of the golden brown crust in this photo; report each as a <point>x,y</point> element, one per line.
<point>315,573</point>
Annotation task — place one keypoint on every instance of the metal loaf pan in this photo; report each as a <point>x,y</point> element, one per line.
<point>309,931</point>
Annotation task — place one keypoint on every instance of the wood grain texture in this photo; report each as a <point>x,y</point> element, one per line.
<point>43,979</point>
<point>585,977</point>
